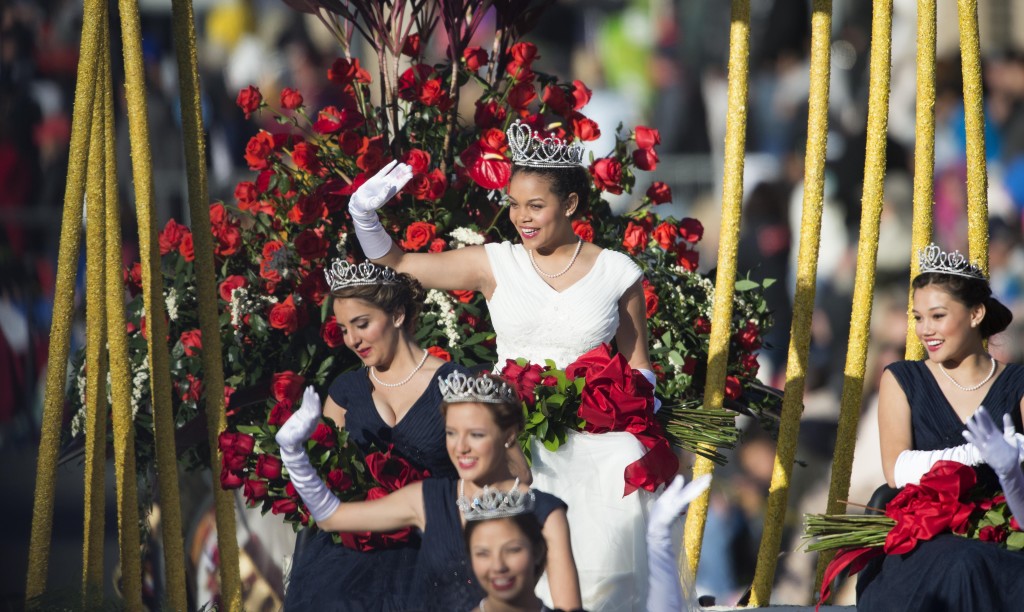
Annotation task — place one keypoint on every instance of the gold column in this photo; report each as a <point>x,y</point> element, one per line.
<point>153,298</point>
<point>803,304</point>
<point>867,251</point>
<point>213,371</point>
<point>725,279</point>
<point>974,118</point>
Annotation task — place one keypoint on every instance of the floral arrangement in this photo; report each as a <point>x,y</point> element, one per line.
<point>288,220</point>
<point>948,499</point>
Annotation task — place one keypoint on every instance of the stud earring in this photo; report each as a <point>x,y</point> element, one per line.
<point>508,444</point>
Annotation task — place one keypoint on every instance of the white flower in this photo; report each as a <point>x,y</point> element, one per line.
<point>446,314</point>
<point>171,299</point>
<point>464,236</point>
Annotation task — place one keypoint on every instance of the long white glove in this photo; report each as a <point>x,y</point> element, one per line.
<point>649,375</point>
<point>664,591</point>
<point>911,465</point>
<point>1001,455</point>
<point>292,438</point>
<point>370,196</point>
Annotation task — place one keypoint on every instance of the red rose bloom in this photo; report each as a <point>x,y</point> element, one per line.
<point>374,158</point>
<point>440,353</point>
<point>352,143</point>
<point>688,259</point>
<point>284,506</point>
<point>235,443</point>
<point>583,229</point>
<point>310,245</point>
<point>307,210</point>
<point>585,129</point>
<point>419,160</point>
<point>650,299</point>
<point>324,436</point>
<point>245,194</point>
<point>691,230</point>
<point>345,71</point>
<point>475,58</point>
<point>431,92</point>
<point>689,365</point>
<point>229,284</point>
<point>523,378</point>
<point>555,99</point>
<point>192,342</point>
<point>339,480</point>
<point>133,278</point>
<point>410,83</point>
<point>249,100</point>
<point>635,238</point>
<point>254,491</point>
<point>646,138</point>
<point>331,333</point>
<point>411,46</point>
<point>286,385</point>
<point>284,316</point>
<point>304,156</point>
<point>437,245</point>
<point>580,94</point>
<point>170,237</point>
<point>331,120</point>
<point>665,234</point>
<point>749,364</point>
<point>229,479</point>
<point>290,98</point>
<point>268,466</point>
<point>280,412</point>
<point>659,193</point>
<point>418,235</point>
<point>990,533</point>
<point>733,389</point>
<point>607,173</point>
<point>645,159</point>
<point>749,337</point>
<point>489,115</point>
<point>258,150</point>
<point>702,326</point>
<point>229,240</point>
<point>520,95</point>
<point>463,295</point>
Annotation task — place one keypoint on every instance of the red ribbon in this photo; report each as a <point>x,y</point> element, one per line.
<point>851,559</point>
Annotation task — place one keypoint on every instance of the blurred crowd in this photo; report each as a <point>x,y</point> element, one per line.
<point>660,63</point>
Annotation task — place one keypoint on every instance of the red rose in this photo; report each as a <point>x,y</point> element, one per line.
<point>689,365</point>
<point>583,229</point>
<point>411,46</point>
<point>686,258</point>
<point>193,389</point>
<point>438,184</point>
<point>331,120</point>
<point>186,248</point>
<point>607,173</point>
<point>229,240</point>
<point>246,195</point>
<point>218,216</point>
<point>291,99</point>
<point>749,364</point>
<point>733,389</point>
<point>749,338</point>
<point>440,353</point>
<point>650,299</point>
<point>133,278</point>
<point>255,490</point>
<point>284,316</point>
<point>229,479</point>
<point>645,159</point>
<point>659,193</point>
<point>352,143</point>
<point>375,156</point>
<point>235,443</point>
<point>419,160</point>
<point>585,129</point>
<point>192,342</point>
<point>229,284</point>
<point>702,326</point>
<point>249,100</point>
<point>523,53</point>
<point>436,245</point>
<point>391,471</point>
<point>555,99</point>
<point>475,58</point>
<point>284,506</point>
<point>418,235</point>
<point>310,245</point>
<point>268,466</point>
<point>691,230</point>
<point>339,480</point>
<point>410,83</point>
<point>331,333</point>
<point>580,94</point>
<point>304,156</point>
<point>635,238</point>
<point>170,237</point>
<point>463,295</point>
<point>523,378</point>
<point>990,533</point>
<point>489,115</point>
<point>431,92</point>
<point>307,210</point>
<point>665,234</point>
<point>234,462</point>
<point>324,435</point>
<point>287,385</point>
<point>280,412</point>
<point>258,150</point>
<point>520,95</point>
<point>646,138</point>
<point>344,71</point>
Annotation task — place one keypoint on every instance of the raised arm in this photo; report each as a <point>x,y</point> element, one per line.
<point>465,268</point>
<point>561,567</point>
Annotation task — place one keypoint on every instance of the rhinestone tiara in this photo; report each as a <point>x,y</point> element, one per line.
<point>492,503</point>
<point>458,387</point>
<point>933,259</point>
<point>343,274</point>
<point>528,149</point>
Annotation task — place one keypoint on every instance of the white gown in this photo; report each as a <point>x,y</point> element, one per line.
<point>535,321</point>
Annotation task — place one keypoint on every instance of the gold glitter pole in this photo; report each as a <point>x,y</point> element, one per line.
<point>924,157</point>
<point>153,298</point>
<point>974,118</point>
<point>803,304</point>
<point>206,284</point>
<point>725,279</point>
<point>867,255</point>
<point>63,304</point>
<point>95,361</point>
<point>121,379</point>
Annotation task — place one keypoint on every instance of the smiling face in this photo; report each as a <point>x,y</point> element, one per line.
<point>476,444</point>
<point>504,560</point>
<point>372,334</point>
<point>540,217</point>
<point>946,326</point>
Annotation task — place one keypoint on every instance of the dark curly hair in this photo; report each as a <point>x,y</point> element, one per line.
<point>404,296</point>
<point>970,292</point>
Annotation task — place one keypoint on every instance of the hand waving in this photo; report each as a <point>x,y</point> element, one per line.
<point>674,500</point>
<point>997,448</point>
<point>297,429</point>
<point>372,194</point>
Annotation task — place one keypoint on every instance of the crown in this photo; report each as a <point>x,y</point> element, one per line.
<point>528,149</point>
<point>933,259</point>
<point>459,387</point>
<point>492,503</point>
<point>343,274</point>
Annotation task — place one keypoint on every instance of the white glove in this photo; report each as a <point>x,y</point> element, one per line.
<point>370,196</point>
<point>292,438</point>
<point>1001,454</point>
<point>664,591</point>
<point>649,375</point>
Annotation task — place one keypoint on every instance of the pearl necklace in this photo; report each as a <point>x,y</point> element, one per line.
<point>991,371</point>
<point>579,245</point>
<point>380,382</point>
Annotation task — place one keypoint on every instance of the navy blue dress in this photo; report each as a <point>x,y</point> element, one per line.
<point>329,576</point>
<point>444,573</point>
<point>948,572</point>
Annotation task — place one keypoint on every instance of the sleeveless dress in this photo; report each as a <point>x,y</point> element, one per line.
<point>444,573</point>
<point>948,572</point>
<point>329,576</point>
<point>535,321</point>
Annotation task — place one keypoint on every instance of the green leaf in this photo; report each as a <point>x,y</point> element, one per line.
<point>746,284</point>
<point>1015,541</point>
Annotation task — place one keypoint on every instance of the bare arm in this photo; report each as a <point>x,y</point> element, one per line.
<point>518,466</point>
<point>466,268</point>
<point>561,567</point>
<point>335,412</point>
<point>631,337</point>
<point>894,427</point>
<point>403,508</point>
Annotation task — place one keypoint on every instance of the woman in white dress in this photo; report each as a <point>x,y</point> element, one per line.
<point>552,296</point>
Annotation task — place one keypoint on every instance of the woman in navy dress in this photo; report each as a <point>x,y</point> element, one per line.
<point>922,409</point>
<point>392,403</point>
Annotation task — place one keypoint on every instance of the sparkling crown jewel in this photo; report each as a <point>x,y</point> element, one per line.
<point>458,387</point>
<point>528,149</point>
<point>343,274</point>
<point>933,259</point>
<point>492,503</point>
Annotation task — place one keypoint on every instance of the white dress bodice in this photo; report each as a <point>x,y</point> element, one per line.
<point>533,320</point>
